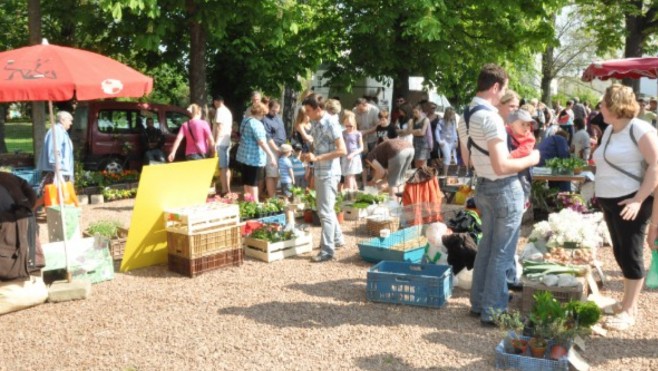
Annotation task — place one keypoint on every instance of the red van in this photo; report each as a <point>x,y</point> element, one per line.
<point>107,133</point>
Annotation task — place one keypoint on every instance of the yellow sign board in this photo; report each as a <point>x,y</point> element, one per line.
<point>163,187</point>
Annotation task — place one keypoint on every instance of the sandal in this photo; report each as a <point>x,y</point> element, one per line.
<point>620,322</point>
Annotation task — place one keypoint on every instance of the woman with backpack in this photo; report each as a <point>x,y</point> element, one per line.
<point>625,190</point>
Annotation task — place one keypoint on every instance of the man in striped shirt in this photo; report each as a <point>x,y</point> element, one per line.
<point>499,199</point>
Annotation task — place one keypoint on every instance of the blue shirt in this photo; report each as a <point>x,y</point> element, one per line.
<point>274,129</point>
<point>297,167</point>
<point>325,132</point>
<point>65,152</point>
<point>284,170</point>
<point>249,153</point>
<point>552,147</point>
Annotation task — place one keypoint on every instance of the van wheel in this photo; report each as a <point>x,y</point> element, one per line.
<point>111,165</point>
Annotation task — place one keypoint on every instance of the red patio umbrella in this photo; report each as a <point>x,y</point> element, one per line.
<point>57,73</point>
<point>633,68</point>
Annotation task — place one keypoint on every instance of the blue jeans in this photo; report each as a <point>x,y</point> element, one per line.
<point>325,193</point>
<point>500,203</point>
<point>223,154</point>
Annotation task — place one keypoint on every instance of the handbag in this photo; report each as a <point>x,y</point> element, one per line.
<point>652,276</point>
<point>18,248</point>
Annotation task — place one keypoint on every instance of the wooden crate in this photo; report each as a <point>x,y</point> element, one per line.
<point>188,220</point>
<point>193,267</point>
<point>116,245</point>
<point>269,252</point>
<point>352,213</point>
<point>204,242</point>
<point>561,294</point>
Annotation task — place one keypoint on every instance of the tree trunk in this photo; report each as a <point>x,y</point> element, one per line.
<point>289,99</point>
<point>38,108</point>
<point>401,86</point>
<point>547,61</point>
<point>547,70</point>
<point>197,55</point>
<point>634,44</point>
<point>3,115</point>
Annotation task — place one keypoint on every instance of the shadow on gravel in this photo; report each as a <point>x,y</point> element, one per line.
<point>388,361</point>
<point>308,314</point>
<point>348,290</point>
<point>115,208</point>
<point>602,350</point>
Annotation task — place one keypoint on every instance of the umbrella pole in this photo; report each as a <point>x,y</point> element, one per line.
<point>58,179</point>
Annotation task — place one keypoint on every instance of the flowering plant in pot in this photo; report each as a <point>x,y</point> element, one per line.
<point>545,311</point>
<point>511,323</point>
<point>578,319</point>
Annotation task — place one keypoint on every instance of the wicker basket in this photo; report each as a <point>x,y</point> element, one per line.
<point>375,224</point>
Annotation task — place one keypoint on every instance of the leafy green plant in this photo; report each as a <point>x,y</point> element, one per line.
<point>562,165</point>
<point>363,200</point>
<point>248,209</point>
<point>338,206</point>
<point>272,233</point>
<point>545,311</point>
<point>110,194</point>
<point>105,228</point>
<point>310,203</point>
<point>509,322</point>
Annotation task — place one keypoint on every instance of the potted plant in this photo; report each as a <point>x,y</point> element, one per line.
<point>297,195</point>
<point>578,319</point>
<point>543,200</point>
<point>511,323</point>
<point>113,232</point>
<point>565,166</point>
<point>545,311</point>
<point>310,212</point>
<point>338,207</point>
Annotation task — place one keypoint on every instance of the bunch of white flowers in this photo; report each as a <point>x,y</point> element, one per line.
<point>569,227</point>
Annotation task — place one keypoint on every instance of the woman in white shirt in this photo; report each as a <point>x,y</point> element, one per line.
<point>625,192</point>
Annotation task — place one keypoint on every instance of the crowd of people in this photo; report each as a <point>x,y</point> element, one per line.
<point>500,136</point>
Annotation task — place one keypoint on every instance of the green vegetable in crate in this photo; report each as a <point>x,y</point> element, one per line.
<point>536,270</point>
<point>272,233</point>
<point>105,228</point>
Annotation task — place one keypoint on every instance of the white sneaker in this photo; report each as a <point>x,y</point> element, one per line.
<point>620,322</point>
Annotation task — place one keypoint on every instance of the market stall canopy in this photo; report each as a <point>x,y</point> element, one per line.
<point>632,68</point>
<point>56,73</point>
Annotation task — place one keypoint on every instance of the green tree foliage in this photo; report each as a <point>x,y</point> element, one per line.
<point>628,25</point>
<point>445,41</point>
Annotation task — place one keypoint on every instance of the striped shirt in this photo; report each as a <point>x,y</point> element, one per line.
<point>485,125</point>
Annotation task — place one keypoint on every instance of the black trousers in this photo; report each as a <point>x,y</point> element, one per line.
<point>627,235</point>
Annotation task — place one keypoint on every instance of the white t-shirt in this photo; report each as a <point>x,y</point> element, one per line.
<point>580,142</point>
<point>224,119</point>
<point>485,125</point>
<point>623,153</point>
<point>366,120</point>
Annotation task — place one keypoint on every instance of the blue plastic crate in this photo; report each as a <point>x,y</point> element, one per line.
<point>279,218</point>
<point>425,285</point>
<point>526,361</point>
<point>32,176</point>
<point>377,249</point>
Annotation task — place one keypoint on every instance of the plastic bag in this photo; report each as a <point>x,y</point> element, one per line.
<point>464,279</point>
<point>652,276</point>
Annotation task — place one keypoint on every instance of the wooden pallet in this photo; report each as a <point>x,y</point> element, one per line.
<point>269,252</point>
<point>189,220</point>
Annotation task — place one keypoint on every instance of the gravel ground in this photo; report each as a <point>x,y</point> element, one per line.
<point>290,315</point>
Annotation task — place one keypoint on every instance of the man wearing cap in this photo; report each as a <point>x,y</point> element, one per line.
<point>64,147</point>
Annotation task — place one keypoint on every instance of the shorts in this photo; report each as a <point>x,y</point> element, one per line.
<point>271,171</point>
<point>398,166</point>
<point>251,175</point>
<point>224,156</point>
<point>286,189</point>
